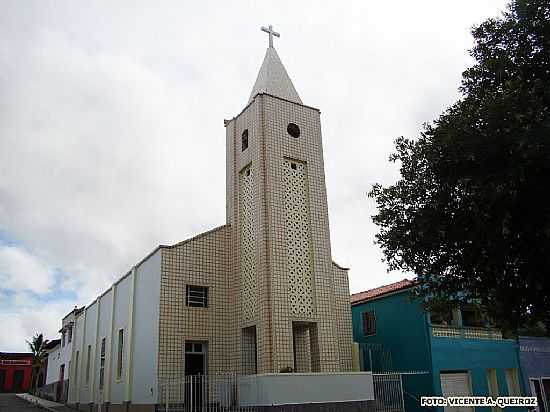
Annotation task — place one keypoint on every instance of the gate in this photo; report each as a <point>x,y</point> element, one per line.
<point>201,393</point>
<point>388,392</point>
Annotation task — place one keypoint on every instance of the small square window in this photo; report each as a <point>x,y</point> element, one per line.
<point>293,166</point>
<point>196,296</point>
<point>188,347</point>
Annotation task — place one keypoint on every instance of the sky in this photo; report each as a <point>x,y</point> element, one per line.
<point>112,139</point>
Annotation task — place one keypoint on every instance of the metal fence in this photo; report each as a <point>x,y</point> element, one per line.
<point>201,393</point>
<point>388,392</point>
<point>220,393</point>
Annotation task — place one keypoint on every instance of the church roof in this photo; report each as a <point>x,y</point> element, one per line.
<point>273,79</point>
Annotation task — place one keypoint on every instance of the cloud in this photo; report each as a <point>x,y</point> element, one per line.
<point>111,132</point>
<point>19,270</point>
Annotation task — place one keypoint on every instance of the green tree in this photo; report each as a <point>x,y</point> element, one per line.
<point>470,214</point>
<point>38,348</point>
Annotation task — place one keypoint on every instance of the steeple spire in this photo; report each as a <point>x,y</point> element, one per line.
<point>272,77</point>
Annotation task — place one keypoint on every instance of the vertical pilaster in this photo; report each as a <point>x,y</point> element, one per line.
<point>109,345</point>
<point>130,346</point>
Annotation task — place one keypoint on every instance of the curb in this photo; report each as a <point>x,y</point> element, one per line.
<point>34,402</point>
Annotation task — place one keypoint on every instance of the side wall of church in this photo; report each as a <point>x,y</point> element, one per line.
<point>205,260</point>
<point>124,318</point>
<point>343,316</point>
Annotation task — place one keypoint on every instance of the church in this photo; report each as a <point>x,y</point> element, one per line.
<point>259,297</point>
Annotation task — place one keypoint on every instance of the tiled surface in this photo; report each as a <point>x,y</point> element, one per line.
<point>202,261</point>
<point>273,79</point>
<point>269,270</point>
<point>297,238</point>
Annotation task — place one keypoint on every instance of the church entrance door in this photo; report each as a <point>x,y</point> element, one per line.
<point>195,371</point>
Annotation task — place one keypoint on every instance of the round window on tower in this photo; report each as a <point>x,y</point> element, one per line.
<point>293,130</point>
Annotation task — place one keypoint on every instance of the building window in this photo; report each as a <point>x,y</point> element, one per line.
<point>369,323</point>
<point>102,364</point>
<point>196,296</point>
<point>512,381</point>
<point>63,339</point>
<point>70,336</point>
<point>244,140</point>
<point>76,366</point>
<point>88,359</point>
<point>120,353</point>
<point>293,130</point>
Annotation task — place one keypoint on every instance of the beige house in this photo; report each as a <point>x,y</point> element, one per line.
<point>259,295</point>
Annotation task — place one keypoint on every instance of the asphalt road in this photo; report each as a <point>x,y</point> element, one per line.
<point>11,403</point>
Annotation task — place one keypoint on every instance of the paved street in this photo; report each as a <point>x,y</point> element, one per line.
<point>11,403</point>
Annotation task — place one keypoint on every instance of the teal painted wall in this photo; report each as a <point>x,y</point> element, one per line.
<point>400,328</point>
<point>475,356</point>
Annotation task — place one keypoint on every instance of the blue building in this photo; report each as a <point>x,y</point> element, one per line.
<point>457,353</point>
<point>534,358</point>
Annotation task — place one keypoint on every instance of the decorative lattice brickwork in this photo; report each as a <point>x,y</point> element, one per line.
<point>248,256</point>
<point>297,238</point>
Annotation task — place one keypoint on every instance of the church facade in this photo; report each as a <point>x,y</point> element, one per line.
<point>258,295</point>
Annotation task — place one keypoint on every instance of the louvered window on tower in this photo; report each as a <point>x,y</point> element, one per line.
<point>196,296</point>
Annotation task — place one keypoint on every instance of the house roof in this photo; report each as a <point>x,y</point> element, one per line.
<point>370,294</point>
<point>53,343</point>
<point>15,355</point>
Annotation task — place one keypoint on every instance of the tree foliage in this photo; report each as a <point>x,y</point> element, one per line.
<point>470,214</point>
<point>38,348</point>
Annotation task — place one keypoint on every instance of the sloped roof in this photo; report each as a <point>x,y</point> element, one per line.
<point>273,79</point>
<point>382,290</point>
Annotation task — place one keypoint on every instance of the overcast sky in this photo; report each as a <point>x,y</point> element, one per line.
<point>112,137</point>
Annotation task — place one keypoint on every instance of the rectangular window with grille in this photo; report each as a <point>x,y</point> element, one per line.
<point>369,323</point>
<point>88,359</point>
<point>120,354</point>
<point>196,296</point>
<point>102,365</point>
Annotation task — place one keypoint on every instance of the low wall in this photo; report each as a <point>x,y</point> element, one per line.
<point>305,388</point>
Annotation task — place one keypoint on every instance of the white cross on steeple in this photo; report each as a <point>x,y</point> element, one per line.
<point>271,33</point>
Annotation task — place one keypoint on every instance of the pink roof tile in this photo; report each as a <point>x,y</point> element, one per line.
<point>382,290</point>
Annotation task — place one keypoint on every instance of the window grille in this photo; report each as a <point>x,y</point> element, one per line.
<point>196,296</point>
<point>369,323</point>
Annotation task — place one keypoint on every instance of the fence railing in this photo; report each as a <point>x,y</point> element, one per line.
<point>388,392</point>
<point>467,332</point>
<point>201,393</point>
<point>220,393</point>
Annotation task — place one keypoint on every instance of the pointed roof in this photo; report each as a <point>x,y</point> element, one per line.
<point>273,79</point>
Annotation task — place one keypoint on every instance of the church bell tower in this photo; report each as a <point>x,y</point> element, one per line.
<point>292,301</point>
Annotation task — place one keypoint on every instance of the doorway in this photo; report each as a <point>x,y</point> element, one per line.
<point>456,384</point>
<point>196,384</point>
<point>18,377</point>
<point>59,394</point>
<point>2,380</point>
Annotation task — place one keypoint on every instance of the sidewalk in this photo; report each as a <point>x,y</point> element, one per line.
<point>45,404</point>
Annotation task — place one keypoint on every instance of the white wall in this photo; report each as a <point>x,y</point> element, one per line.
<point>114,308</point>
<point>120,321</point>
<point>60,355</point>
<point>146,331</point>
<point>294,388</point>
